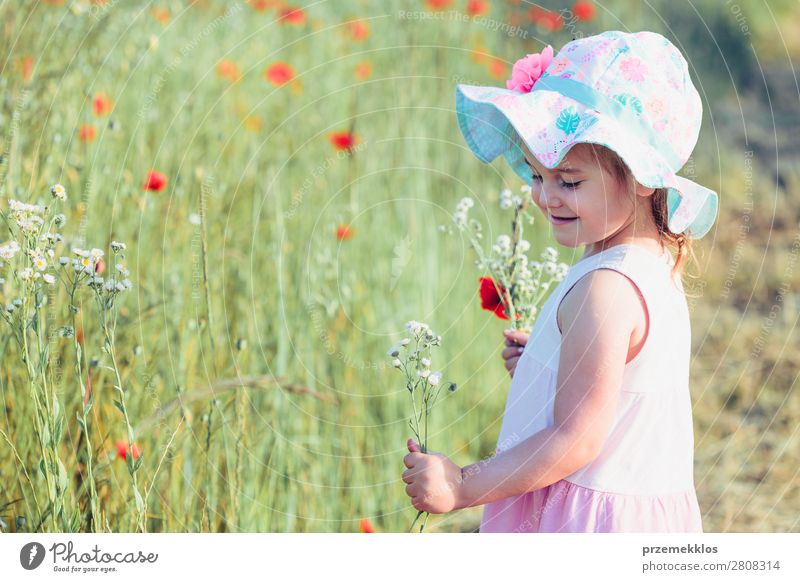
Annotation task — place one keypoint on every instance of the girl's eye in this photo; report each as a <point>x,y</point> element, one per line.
<point>570,185</point>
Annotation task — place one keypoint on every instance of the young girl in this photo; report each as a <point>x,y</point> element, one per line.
<point>597,433</point>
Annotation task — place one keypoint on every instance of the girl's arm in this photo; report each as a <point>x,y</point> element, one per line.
<point>599,315</point>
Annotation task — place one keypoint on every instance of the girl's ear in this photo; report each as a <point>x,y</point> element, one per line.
<point>644,191</point>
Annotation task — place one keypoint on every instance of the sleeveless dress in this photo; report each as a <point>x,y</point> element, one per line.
<point>642,480</point>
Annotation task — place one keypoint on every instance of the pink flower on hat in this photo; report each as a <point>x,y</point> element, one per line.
<point>528,69</point>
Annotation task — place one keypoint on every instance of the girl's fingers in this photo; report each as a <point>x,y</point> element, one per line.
<point>512,352</point>
<point>511,363</point>
<point>516,337</point>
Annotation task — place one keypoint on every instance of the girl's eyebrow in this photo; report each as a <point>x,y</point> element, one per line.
<point>560,170</point>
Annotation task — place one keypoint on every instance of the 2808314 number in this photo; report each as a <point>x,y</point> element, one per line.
<point>755,565</point>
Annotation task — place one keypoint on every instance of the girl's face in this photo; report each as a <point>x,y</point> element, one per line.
<point>585,203</point>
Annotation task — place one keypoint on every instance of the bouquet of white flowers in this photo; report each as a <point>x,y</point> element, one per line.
<point>412,356</point>
<point>513,286</point>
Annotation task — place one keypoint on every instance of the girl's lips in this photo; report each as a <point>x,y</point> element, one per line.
<point>556,220</point>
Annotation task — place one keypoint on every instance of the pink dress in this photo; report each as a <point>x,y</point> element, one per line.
<point>642,480</point>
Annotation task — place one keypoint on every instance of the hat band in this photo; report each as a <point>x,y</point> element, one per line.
<point>586,95</point>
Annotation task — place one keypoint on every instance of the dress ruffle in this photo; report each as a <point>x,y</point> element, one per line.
<point>564,507</point>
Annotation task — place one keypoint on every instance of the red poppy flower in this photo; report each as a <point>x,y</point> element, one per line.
<point>583,10</point>
<point>279,73</point>
<point>262,5</point>
<point>87,132</point>
<point>343,140</point>
<point>365,526</point>
<point>547,19</point>
<point>438,4</point>
<point>156,181</point>
<point>477,7</point>
<point>490,299</point>
<point>27,67</point>
<point>363,70</point>
<point>161,15</point>
<point>358,29</point>
<point>102,104</point>
<point>123,448</point>
<point>497,68</point>
<point>228,70</point>
<point>292,15</point>
<point>344,232</point>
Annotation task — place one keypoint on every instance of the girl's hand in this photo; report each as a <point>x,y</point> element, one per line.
<point>433,480</point>
<point>515,341</point>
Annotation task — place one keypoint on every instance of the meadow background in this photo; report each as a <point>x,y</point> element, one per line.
<point>304,156</point>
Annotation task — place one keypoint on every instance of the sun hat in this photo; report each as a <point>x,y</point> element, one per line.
<point>630,92</point>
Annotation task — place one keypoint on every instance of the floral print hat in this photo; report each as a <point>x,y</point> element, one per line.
<point>630,92</point>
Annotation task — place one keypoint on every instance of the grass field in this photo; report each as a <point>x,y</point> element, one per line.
<point>304,160</point>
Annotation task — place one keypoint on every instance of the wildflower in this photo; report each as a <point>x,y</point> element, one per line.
<point>8,250</point>
<point>435,378</point>
<point>292,15</point>
<point>156,181</point>
<point>491,297</point>
<point>365,526</point>
<point>438,4</point>
<point>393,352</point>
<point>416,327</point>
<point>102,104</point>
<point>48,278</point>
<point>279,73</point>
<point>123,447</point>
<point>344,232</point>
<point>60,220</point>
<point>118,246</point>
<point>425,362</point>
<point>363,70</point>
<point>63,261</point>
<point>87,132</point>
<point>10,308</point>
<point>583,10</point>
<point>396,363</point>
<point>405,341</point>
<point>59,192</point>
<point>343,141</point>
<point>194,219</point>
<point>358,30</point>
<point>161,15</point>
<point>227,69</point>
<point>423,373</point>
<point>26,274</point>
<point>477,7</point>
<point>38,260</point>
